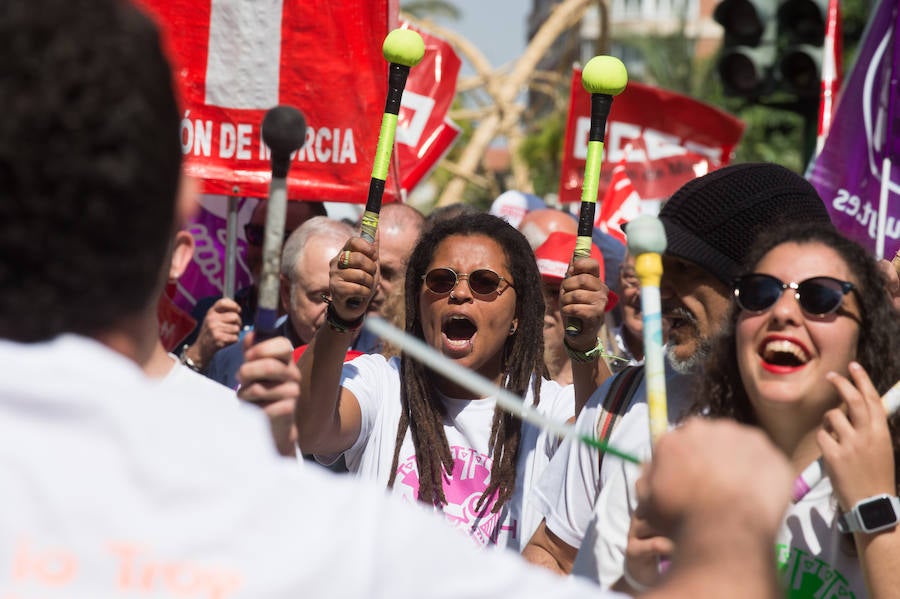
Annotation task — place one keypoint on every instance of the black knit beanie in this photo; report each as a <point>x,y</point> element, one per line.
<point>714,219</point>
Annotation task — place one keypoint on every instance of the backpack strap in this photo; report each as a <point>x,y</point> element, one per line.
<point>617,400</point>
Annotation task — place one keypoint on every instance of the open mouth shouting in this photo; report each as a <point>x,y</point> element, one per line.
<point>457,333</point>
<point>782,355</point>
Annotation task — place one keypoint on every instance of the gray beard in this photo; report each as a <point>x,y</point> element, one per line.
<point>692,364</point>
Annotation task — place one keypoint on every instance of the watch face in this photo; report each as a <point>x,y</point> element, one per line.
<point>876,513</point>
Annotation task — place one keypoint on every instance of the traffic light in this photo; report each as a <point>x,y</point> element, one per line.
<point>772,45</point>
<point>746,63</point>
<point>801,24</point>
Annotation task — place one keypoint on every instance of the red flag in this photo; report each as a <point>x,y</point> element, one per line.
<point>621,203</point>
<point>235,60</point>
<point>831,72</point>
<point>424,131</point>
<point>674,138</point>
<point>174,323</point>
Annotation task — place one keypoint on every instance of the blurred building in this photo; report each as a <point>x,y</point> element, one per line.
<point>626,18</point>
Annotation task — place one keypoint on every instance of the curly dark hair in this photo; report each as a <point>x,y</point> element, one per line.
<point>90,160</point>
<point>422,410</point>
<point>720,391</point>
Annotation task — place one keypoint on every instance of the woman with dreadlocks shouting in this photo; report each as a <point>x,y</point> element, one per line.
<point>473,292</point>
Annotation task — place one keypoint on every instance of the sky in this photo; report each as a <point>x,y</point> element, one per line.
<point>497,27</point>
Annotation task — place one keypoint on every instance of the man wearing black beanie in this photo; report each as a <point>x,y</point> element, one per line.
<point>711,223</point>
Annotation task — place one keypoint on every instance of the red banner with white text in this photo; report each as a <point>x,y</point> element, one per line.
<point>235,60</point>
<point>673,139</point>
<point>424,132</point>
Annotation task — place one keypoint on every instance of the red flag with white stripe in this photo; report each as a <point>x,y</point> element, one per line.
<point>235,59</point>
<point>621,203</point>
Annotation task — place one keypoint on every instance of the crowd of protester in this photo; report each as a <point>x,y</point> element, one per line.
<point>129,469</point>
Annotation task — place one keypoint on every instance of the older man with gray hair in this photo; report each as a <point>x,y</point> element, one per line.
<point>304,278</point>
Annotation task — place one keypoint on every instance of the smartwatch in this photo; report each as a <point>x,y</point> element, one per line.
<point>873,514</point>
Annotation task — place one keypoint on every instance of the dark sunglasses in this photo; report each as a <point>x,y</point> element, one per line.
<point>255,234</point>
<point>818,296</point>
<point>483,281</point>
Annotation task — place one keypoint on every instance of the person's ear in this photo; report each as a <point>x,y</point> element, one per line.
<point>182,254</point>
<point>284,293</point>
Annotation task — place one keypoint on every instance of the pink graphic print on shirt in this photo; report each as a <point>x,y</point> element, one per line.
<point>470,478</point>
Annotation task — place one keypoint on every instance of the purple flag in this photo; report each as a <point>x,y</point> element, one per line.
<point>865,130</point>
<point>206,273</point>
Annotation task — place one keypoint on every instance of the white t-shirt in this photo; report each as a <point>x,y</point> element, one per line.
<point>111,489</point>
<point>601,557</point>
<point>572,482</point>
<point>376,384</point>
<point>187,383</point>
<point>812,554</point>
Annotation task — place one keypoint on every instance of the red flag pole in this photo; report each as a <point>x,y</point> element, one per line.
<point>831,72</point>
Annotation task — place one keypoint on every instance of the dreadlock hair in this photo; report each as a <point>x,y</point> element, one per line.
<point>721,392</point>
<point>423,412</point>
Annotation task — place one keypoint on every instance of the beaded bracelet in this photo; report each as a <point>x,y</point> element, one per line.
<point>598,351</point>
<point>585,356</point>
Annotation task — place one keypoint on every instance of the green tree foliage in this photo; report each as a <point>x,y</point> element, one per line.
<point>542,150</point>
<point>667,61</point>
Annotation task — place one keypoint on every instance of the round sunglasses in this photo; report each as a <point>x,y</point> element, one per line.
<point>817,296</point>
<point>483,281</point>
